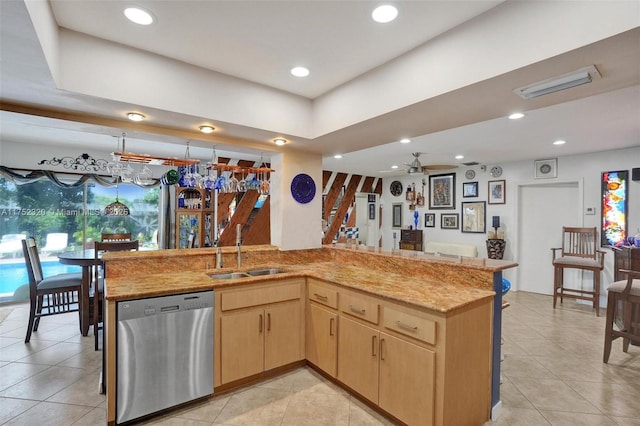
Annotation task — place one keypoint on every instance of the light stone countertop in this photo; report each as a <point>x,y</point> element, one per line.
<point>432,294</point>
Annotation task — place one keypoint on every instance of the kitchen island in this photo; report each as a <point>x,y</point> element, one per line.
<point>437,313</point>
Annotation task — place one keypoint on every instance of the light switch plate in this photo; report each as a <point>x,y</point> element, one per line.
<point>590,211</point>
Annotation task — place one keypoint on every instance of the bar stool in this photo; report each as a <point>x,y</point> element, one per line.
<point>578,251</point>
<point>623,311</point>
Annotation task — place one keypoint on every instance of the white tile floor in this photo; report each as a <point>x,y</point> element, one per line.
<point>552,375</point>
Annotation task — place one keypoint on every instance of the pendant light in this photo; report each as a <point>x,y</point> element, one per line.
<point>116,208</point>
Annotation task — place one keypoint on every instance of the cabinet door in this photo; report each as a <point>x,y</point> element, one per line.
<point>322,338</point>
<point>242,344</point>
<point>358,358</point>
<point>406,380</point>
<point>283,340</point>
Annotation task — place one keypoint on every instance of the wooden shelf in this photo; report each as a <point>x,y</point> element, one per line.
<point>177,162</point>
<point>149,159</point>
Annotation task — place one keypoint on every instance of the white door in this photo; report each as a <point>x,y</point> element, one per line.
<point>542,212</point>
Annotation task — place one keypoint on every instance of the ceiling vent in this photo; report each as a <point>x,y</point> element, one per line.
<point>556,84</point>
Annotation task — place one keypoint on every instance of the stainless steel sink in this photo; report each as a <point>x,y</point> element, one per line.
<point>267,271</point>
<point>230,275</point>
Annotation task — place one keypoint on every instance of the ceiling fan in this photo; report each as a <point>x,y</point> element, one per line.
<point>417,167</point>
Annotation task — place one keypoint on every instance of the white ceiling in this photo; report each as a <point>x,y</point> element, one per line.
<point>259,41</point>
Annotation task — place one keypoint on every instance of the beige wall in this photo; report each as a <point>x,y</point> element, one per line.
<point>295,225</point>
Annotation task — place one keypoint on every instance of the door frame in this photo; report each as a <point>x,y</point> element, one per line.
<point>518,213</point>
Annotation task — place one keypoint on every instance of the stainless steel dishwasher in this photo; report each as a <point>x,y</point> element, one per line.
<point>164,353</point>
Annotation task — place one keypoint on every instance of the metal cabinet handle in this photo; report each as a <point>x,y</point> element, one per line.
<point>269,322</point>
<point>356,309</point>
<point>373,345</point>
<point>320,296</point>
<point>331,321</point>
<point>260,324</point>
<point>381,349</point>
<point>407,326</point>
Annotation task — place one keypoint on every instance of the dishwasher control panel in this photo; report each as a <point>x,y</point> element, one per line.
<point>165,305</point>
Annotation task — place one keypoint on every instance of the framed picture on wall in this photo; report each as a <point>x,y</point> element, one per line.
<point>396,215</point>
<point>372,211</point>
<point>474,217</point>
<point>449,221</point>
<point>469,189</point>
<point>497,190</point>
<point>615,193</point>
<point>429,220</point>
<point>442,191</point>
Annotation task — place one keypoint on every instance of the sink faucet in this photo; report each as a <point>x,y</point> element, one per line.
<point>239,244</point>
<point>218,255</point>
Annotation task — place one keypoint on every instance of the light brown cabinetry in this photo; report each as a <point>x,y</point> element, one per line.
<point>421,366</point>
<point>407,380</point>
<point>322,338</point>
<point>358,358</point>
<point>395,374</point>
<point>322,326</point>
<point>258,328</point>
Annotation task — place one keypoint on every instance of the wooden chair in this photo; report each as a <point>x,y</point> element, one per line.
<point>623,309</point>
<point>116,237</point>
<point>101,247</point>
<point>53,295</point>
<point>578,251</point>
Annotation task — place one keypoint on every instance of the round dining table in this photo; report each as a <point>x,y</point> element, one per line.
<point>86,259</point>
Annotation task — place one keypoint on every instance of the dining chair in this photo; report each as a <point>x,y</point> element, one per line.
<point>57,294</point>
<point>623,312</point>
<point>579,251</point>
<point>122,236</point>
<point>101,247</point>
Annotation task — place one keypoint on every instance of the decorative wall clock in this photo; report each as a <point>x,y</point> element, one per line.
<point>396,188</point>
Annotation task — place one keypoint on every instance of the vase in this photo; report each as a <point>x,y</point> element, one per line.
<point>495,248</point>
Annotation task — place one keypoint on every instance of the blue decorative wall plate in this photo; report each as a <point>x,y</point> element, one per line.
<point>303,188</point>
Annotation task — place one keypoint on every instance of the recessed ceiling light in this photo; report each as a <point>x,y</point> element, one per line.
<point>516,115</point>
<point>559,142</point>
<point>405,140</point>
<point>207,129</point>
<point>338,156</point>
<point>139,16</point>
<point>135,116</point>
<point>459,157</point>
<point>280,141</point>
<point>300,71</point>
<point>385,13</point>
<point>394,166</point>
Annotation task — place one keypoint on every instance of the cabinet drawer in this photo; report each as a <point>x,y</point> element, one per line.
<point>324,295</point>
<point>359,306</point>
<point>262,295</point>
<point>411,325</point>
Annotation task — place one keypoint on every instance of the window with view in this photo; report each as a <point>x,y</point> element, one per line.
<point>65,219</point>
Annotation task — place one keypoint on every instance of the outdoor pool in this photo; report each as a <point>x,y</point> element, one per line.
<point>13,275</point>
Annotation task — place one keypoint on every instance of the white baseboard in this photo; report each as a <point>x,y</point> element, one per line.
<point>496,410</point>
